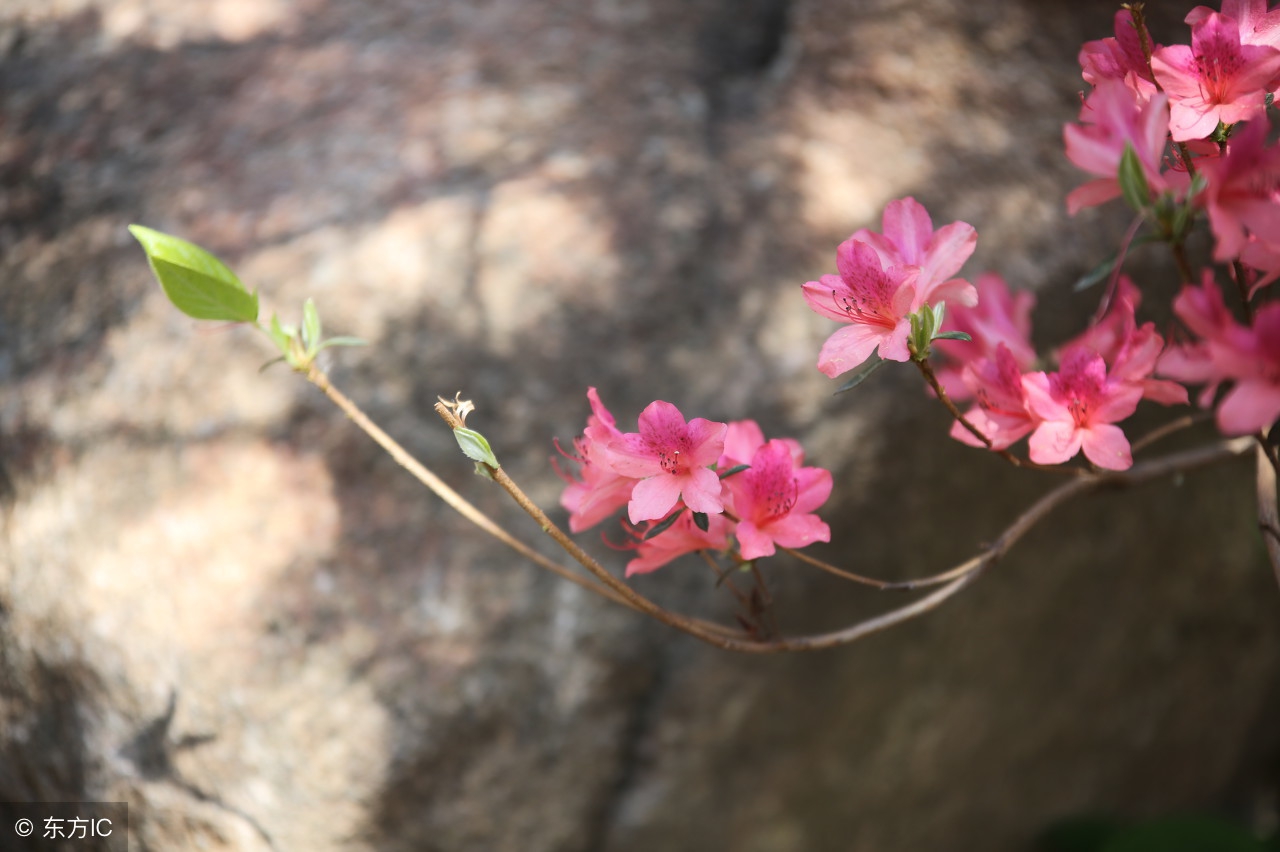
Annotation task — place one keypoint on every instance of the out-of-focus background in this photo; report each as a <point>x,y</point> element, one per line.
<point>220,602</point>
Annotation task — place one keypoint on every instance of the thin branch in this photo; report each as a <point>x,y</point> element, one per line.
<point>1184,422</point>
<point>1268,516</point>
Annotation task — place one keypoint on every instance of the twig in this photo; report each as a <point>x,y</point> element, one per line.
<point>1170,428</point>
<point>1268,516</point>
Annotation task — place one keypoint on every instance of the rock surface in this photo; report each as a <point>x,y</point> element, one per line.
<point>220,602</point>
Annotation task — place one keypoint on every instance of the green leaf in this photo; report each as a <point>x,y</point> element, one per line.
<point>310,327</point>
<point>664,524</point>
<point>939,314</point>
<point>1133,181</point>
<point>475,446</point>
<point>1099,273</point>
<point>701,521</point>
<point>1184,834</point>
<point>875,362</point>
<point>952,335</point>
<point>198,284</point>
<point>737,468</point>
<point>280,337</point>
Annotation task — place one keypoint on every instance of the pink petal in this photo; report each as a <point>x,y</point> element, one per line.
<point>1040,400</point>
<point>700,489</point>
<point>907,224</point>
<point>799,530</point>
<point>752,542</point>
<point>948,250</point>
<point>1117,402</point>
<point>1248,407</point>
<point>707,441</point>
<point>1107,447</point>
<point>1092,194</point>
<point>631,455</point>
<point>1054,442</point>
<point>741,440</point>
<point>849,347</point>
<point>654,498</point>
<point>813,487</point>
<point>822,295</point>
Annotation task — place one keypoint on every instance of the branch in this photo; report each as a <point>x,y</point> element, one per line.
<point>1268,516</point>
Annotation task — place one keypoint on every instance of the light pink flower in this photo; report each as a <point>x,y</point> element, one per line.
<point>1120,58</point>
<point>680,538</point>
<point>1109,120</point>
<point>1242,193</point>
<point>1077,407</point>
<point>598,491</point>
<point>999,318</point>
<point>909,240</point>
<point>874,301</point>
<point>1001,413</point>
<point>1254,362</point>
<point>774,501</point>
<point>1219,78</point>
<point>1206,359</point>
<point>672,460</point>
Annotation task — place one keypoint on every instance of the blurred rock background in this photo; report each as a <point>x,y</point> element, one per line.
<point>221,602</point>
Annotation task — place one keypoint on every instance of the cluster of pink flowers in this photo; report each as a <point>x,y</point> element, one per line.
<point>1210,100</point>
<point>732,482</point>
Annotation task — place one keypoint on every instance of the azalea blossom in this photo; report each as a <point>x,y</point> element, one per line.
<point>1120,58</point>
<point>1257,25</point>
<point>598,491</point>
<point>774,501</point>
<point>1078,407</point>
<point>682,537</point>
<point>909,240</point>
<point>1110,120</point>
<point>1219,78</point>
<point>1242,193</point>
<point>1001,318</point>
<point>874,301</point>
<point>1001,413</point>
<point>672,460</point>
<point>1204,360</point>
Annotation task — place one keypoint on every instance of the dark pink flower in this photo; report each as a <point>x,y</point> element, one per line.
<point>1001,413</point>
<point>672,460</point>
<point>909,240</point>
<point>680,538</point>
<point>1109,120</point>
<point>1077,407</point>
<point>1219,78</point>
<point>598,491</point>
<point>774,500</point>
<point>999,318</point>
<point>1242,193</point>
<point>875,302</point>
<point>1119,58</point>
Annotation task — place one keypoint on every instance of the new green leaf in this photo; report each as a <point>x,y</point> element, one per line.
<point>475,446</point>
<point>198,284</point>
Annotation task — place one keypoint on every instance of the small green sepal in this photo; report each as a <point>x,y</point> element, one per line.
<point>663,525</point>
<point>1133,181</point>
<point>953,335</point>
<point>475,446</point>
<point>737,468</point>
<point>701,521</point>
<point>196,282</point>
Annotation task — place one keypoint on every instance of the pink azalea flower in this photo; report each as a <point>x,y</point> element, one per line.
<point>1257,25</point>
<point>1254,362</point>
<point>1130,351</point>
<point>1242,193</point>
<point>1219,78</point>
<point>1001,413</point>
<point>743,439</point>
<point>876,302</point>
<point>672,460</point>
<point>599,490</point>
<point>1120,58</point>
<point>1227,351</point>
<point>999,318</point>
<point>774,501</point>
<point>1077,407</point>
<point>680,538</point>
<point>909,240</point>
<point>1109,120</point>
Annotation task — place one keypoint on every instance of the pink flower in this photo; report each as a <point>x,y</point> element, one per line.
<point>774,501</point>
<point>741,441</point>
<point>1119,58</point>
<point>1228,352</point>
<point>999,318</point>
<point>1109,120</point>
<point>672,460</point>
<point>1077,407</point>
<point>680,538</point>
<point>599,491</point>
<point>1219,78</point>
<point>1242,193</point>
<point>909,240</point>
<point>1257,25</point>
<point>876,302</point>
<point>1001,413</point>
<point>1130,352</point>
